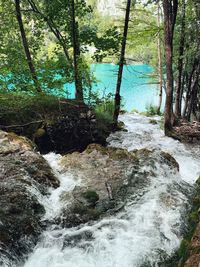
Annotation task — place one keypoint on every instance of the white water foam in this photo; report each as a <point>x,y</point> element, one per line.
<point>148,229</point>
<point>52,204</point>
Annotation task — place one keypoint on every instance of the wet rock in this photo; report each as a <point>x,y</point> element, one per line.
<point>169,160</point>
<point>24,178</point>
<point>109,177</point>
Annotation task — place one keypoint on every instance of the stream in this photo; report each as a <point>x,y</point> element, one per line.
<point>145,232</point>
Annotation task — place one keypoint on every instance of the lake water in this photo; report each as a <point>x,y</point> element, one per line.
<point>137,90</point>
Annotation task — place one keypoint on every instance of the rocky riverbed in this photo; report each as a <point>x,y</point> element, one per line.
<point>121,205</point>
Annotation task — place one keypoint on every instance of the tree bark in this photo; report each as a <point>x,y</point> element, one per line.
<point>26,46</point>
<point>170,11</point>
<point>159,63</point>
<point>178,99</point>
<point>194,91</point>
<point>121,66</point>
<point>76,55</point>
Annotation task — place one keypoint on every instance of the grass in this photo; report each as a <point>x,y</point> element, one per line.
<point>19,108</point>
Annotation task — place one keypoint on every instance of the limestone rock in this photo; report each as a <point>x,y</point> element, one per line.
<point>109,176</point>
<point>24,175</point>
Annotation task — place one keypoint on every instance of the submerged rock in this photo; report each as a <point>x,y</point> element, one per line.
<point>109,177</point>
<point>24,178</point>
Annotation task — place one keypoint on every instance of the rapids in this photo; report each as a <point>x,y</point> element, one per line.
<point>146,232</point>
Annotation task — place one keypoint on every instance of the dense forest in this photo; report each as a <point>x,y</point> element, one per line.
<point>85,178</point>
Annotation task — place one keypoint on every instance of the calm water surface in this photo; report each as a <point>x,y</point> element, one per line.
<point>137,90</point>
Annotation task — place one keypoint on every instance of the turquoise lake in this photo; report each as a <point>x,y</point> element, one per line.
<point>137,91</point>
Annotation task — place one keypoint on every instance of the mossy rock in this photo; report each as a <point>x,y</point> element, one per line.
<point>121,126</point>
<point>39,133</point>
<point>169,159</point>
<point>91,196</point>
<point>154,122</point>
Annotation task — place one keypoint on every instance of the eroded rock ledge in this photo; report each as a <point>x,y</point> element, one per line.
<point>54,124</point>
<point>24,175</point>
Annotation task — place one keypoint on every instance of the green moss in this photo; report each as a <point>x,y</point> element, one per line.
<point>91,196</point>
<point>183,252</point>
<point>21,108</point>
<point>154,122</point>
<point>39,133</point>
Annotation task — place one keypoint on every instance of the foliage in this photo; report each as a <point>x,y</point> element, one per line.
<point>143,31</point>
<point>48,29</point>
<point>152,110</point>
<point>20,108</point>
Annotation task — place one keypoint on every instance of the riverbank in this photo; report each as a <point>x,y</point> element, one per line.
<point>189,251</point>
<point>52,123</point>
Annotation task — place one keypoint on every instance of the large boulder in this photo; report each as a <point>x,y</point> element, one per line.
<point>109,176</point>
<point>25,177</point>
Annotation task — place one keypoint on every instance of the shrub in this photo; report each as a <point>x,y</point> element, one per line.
<point>152,110</point>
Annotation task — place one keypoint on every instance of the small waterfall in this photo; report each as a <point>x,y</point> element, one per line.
<point>150,227</point>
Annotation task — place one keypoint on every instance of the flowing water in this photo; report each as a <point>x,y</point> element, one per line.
<point>150,227</point>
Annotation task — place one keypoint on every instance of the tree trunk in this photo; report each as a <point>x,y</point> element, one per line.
<point>76,55</point>
<point>26,46</point>
<point>170,12</point>
<point>194,91</point>
<point>121,66</point>
<point>53,28</point>
<point>188,94</point>
<point>178,99</point>
<point>159,63</point>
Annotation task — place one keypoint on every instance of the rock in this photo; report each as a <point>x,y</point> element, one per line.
<point>152,121</point>
<point>109,177</point>
<point>169,160</point>
<point>71,130</point>
<point>59,125</point>
<point>194,250</point>
<point>24,175</point>
<point>187,132</point>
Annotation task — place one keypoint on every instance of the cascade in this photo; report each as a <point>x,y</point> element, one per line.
<point>149,228</point>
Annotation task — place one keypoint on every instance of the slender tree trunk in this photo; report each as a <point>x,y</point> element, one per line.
<point>121,66</point>
<point>188,94</point>
<point>194,91</point>
<point>170,11</point>
<point>178,99</point>
<point>53,28</point>
<point>159,64</point>
<point>76,51</point>
<point>26,46</point>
